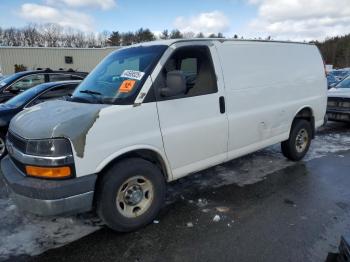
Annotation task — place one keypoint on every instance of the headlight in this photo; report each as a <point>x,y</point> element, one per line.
<point>49,147</point>
<point>42,158</point>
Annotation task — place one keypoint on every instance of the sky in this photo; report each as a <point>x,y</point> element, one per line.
<point>298,20</point>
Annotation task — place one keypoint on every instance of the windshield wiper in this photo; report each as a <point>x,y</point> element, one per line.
<point>96,95</point>
<point>90,92</point>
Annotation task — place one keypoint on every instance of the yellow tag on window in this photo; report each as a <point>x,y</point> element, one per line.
<point>127,86</point>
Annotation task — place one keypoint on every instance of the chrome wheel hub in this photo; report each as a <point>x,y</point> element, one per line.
<point>302,140</point>
<point>135,196</point>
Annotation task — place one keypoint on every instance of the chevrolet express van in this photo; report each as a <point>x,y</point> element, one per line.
<point>151,113</point>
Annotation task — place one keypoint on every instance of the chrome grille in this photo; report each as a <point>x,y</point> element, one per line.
<point>338,103</point>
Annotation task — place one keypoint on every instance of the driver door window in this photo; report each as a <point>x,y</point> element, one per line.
<point>197,67</point>
<point>27,82</point>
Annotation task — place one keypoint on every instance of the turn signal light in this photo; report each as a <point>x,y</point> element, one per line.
<point>48,172</point>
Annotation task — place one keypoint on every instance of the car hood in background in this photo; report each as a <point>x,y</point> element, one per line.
<point>339,92</point>
<point>6,107</point>
<point>57,119</point>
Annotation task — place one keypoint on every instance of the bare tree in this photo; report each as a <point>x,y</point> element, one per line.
<point>68,38</point>
<point>31,35</point>
<point>102,38</point>
<point>200,35</point>
<point>188,35</point>
<point>79,40</point>
<point>91,40</point>
<point>176,34</point>
<point>11,37</point>
<point>52,34</point>
<point>165,34</point>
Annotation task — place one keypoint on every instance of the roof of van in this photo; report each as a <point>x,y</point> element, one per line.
<point>169,42</point>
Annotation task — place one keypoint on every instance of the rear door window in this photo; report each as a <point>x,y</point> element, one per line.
<point>63,77</point>
<point>27,82</point>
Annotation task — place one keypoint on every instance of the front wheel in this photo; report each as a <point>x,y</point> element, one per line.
<point>296,147</point>
<point>130,194</point>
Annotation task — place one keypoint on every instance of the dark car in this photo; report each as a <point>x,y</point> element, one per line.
<point>338,105</point>
<point>38,94</point>
<point>12,85</point>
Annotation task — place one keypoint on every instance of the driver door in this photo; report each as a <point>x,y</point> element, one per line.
<point>194,129</point>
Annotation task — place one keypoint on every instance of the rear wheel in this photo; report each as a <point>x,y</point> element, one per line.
<point>130,194</point>
<point>296,147</point>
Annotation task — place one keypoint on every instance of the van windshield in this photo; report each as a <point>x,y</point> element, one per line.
<point>119,77</point>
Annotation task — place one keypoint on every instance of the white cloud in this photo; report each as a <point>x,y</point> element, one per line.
<point>103,4</point>
<point>301,19</point>
<point>47,14</point>
<point>207,23</point>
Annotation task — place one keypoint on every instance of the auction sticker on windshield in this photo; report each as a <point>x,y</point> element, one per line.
<point>127,86</point>
<point>133,74</point>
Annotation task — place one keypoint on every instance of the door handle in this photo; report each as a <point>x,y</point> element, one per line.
<point>222,104</point>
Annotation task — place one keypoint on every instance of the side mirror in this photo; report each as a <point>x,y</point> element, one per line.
<point>175,84</point>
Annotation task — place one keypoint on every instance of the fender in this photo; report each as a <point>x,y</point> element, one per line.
<point>129,149</point>
<point>308,106</point>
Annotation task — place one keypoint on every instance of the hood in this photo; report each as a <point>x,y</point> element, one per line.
<point>339,92</point>
<point>57,119</point>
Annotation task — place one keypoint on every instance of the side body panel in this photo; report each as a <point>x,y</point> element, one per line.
<point>266,84</point>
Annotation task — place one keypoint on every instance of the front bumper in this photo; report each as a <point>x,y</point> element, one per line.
<point>48,197</point>
<point>338,115</point>
<point>338,109</point>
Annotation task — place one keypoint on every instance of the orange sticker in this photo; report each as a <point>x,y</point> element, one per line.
<point>127,86</point>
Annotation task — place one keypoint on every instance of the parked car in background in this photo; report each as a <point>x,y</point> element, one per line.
<point>338,106</point>
<point>331,80</point>
<point>38,94</point>
<point>340,74</point>
<point>12,85</point>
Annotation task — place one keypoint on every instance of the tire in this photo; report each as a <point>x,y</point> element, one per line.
<point>296,147</point>
<point>119,191</point>
<point>3,150</point>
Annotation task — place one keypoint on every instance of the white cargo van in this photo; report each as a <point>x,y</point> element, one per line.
<point>152,113</point>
